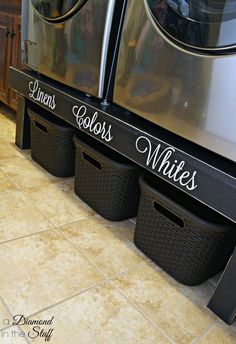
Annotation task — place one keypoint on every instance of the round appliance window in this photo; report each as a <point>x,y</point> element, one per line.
<point>205,11</point>
<point>56,10</point>
<point>205,24</point>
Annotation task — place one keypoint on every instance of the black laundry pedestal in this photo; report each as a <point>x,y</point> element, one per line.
<point>133,137</point>
<point>223,301</point>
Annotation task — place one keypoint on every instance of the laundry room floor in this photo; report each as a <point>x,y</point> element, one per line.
<point>80,275</point>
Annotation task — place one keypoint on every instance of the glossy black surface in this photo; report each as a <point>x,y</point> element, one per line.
<point>56,9</point>
<point>207,24</point>
<point>126,128</point>
<point>223,301</point>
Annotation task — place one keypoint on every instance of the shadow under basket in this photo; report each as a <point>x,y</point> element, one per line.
<point>105,180</point>
<point>188,240</point>
<point>52,145</point>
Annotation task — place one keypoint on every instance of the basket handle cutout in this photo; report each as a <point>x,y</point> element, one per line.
<point>41,127</point>
<point>92,161</point>
<point>172,217</point>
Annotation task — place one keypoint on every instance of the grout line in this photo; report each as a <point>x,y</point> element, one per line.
<point>125,271</point>
<point>107,277</point>
<point>210,328</point>
<point>8,310</point>
<point>8,178</point>
<point>93,286</point>
<point>139,309</point>
<point>83,255</point>
<point>213,283</point>
<point>29,199</point>
<point>71,223</point>
<point>28,235</point>
<point>133,221</point>
<point>26,338</point>
<point>120,273</point>
<point>60,227</point>
<point>65,180</point>
<point>5,304</point>
<point>41,210</point>
<point>5,329</point>
<point>81,251</point>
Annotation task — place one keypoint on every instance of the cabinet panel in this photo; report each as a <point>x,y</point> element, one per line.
<point>16,55</point>
<point>6,22</point>
<point>12,6</point>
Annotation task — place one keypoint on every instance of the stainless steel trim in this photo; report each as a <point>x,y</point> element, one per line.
<point>107,30</point>
<point>116,48</point>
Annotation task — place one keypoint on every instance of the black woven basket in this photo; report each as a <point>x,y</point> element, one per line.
<point>105,180</point>
<point>188,240</point>
<point>52,144</point>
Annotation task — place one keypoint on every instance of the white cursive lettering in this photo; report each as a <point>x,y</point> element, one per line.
<point>162,162</point>
<point>37,94</point>
<point>91,123</point>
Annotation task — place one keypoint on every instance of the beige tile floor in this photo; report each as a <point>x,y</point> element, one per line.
<point>60,261</point>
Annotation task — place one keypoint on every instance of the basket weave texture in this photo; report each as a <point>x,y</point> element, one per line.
<point>107,182</point>
<point>191,250</point>
<point>52,145</point>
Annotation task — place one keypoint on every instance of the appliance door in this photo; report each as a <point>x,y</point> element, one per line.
<point>71,51</point>
<point>57,10</point>
<point>205,24</point>
<point>188,93</point>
